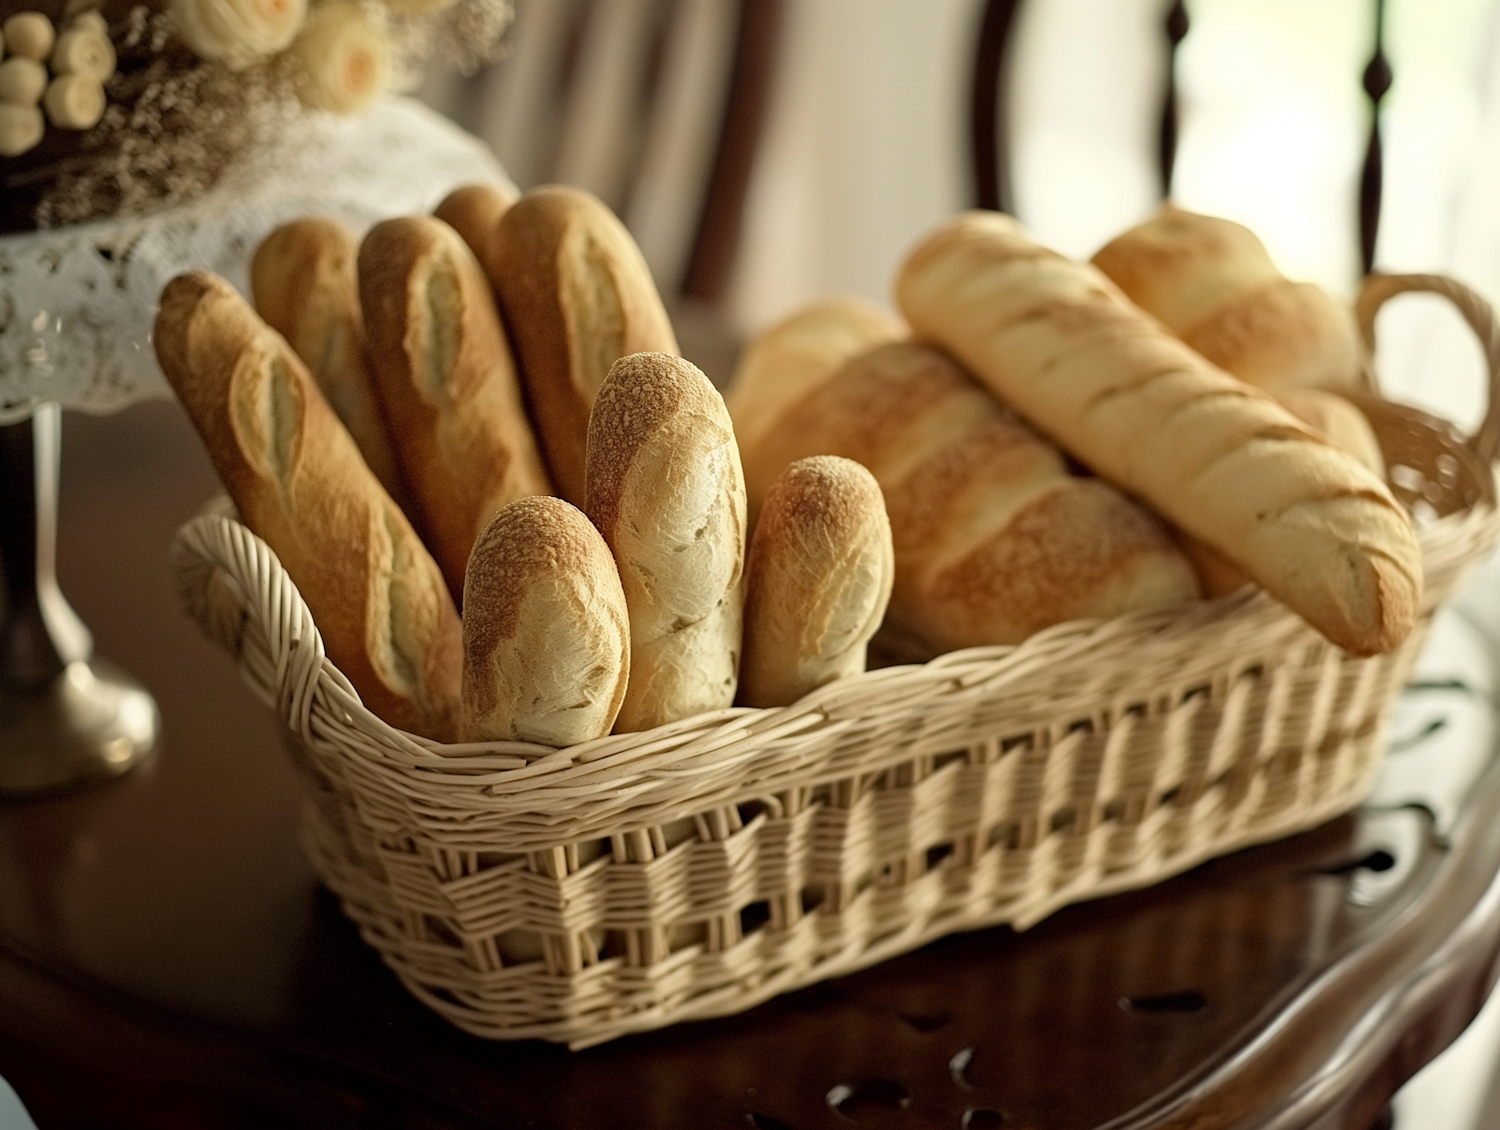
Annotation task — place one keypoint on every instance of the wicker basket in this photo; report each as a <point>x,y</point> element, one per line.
<point>702,867</point>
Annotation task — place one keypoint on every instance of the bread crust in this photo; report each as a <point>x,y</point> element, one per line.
<point>447,385</point>
<point>820,572</point>
<point>665,489</point>
<point>299,483</point>
<point>1212,283</point>
<point>1216,456</point>
<point>994,539</point>
<point>474,211</point>
<point>546,631</point>
<point>577,295</point>
<point>305,287</point>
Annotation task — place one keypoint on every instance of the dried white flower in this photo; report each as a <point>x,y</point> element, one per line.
<point>238,32</point>
<point>345,57</point>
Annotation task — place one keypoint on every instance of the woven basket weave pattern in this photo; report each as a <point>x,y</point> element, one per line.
<point>697,869</point>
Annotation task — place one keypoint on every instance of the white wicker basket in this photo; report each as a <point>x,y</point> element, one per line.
<point>702,867</point>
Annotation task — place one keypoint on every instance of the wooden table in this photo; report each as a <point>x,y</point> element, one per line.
<point>166,958</point>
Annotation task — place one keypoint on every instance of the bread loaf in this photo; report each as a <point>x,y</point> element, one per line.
<point>306,289</point>
<point>820,573</point>
<point>789,360</point>
<point>294,473</point>
<point>1218,458</point>
<point>1211,282</point>
<point>546,634</point>
<point>576,295</point>
<point>665,489</point>
<point>447,385</point>
<point>474,212</point>
<point>994,538</point>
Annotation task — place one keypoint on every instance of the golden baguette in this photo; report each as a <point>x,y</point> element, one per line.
<point>306,289</point>
<point>1212,283</point>
<point>474,212</point>
<point>447,385</point>
<point>546,632</point>
<point>994,538</point>
<point>666,490</point>
<point>577,295</point>
<point>299,483</point>
<point>789,360</point>
<point>820,573</point>
<point>1218,458</point>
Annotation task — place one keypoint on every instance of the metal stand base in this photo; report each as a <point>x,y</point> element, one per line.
<point>66,718</point>
<point>91,723</point>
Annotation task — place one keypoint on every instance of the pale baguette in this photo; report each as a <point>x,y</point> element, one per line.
<point>577,295</point>
<point>792,358</point>
<point>994,538</point>
<point>447,384</point>
<point>664,487</point>
<point>298,482</point>
<point>1213,284</point>
<point>1218,458</point>
<point>546,632</point>
<point>305,287</point>
<point>820,572</point>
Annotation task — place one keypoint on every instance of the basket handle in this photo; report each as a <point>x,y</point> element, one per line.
<point>1476,311</point>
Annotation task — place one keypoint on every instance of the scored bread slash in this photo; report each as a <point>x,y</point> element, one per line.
<point>447,385</point>
<point>577,296</point>
<point>300,484</point>
<point>666,490</point>
<point>304,284</point>
<point>546,632</point>
<point>1222,460</point>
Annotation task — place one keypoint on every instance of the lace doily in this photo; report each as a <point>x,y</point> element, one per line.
<point>77,303</point>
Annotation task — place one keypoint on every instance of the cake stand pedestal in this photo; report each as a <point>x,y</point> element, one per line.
<point>76,311</point>
<point>66,718</point>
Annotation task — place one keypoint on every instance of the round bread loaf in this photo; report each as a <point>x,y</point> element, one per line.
<point>664,487</point>
<point>820,573</point>
<point>546,633</point>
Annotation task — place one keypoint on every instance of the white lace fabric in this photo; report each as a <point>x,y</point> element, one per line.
<point>77,303</point>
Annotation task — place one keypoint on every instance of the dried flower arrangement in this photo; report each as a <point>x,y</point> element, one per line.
<point>118,105</point>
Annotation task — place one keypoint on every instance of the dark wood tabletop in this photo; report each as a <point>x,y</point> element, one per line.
<point>167,958</point>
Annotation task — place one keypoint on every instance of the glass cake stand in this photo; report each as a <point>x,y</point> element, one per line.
<point>76,312</point>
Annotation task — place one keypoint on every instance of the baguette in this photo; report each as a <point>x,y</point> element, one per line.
<point>447,385</point>
<point>792,358</point>
<point>664,487</point>
<point>474,212</point>
<point>820,573</point>
<point>306,289</point>
<point>299,483</point>
<point>994,538</point>
<point>546,633</point>
<point>1218,458</point>
<point>577,295</point>
<point>1211,282</point>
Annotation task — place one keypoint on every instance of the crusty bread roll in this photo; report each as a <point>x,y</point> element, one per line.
<point>546,633</point>
<point>306,289</point>
<point>447,384</point>
<point>1211,282</point>
<point>376,595</point>
<point>474,212</point>
<point>1218,458</point>
<point>994,538</point>
<point>1333,418</point>
<point>576,294</point>
<point>787,361</point>
<point>664,487</point>
<point>819,579</point>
